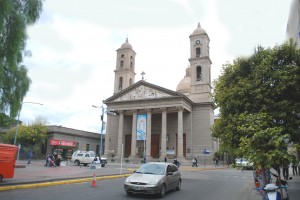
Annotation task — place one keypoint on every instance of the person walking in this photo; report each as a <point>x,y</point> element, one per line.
<point>216,162</point>
<point>295,167</point>
<point>29,156</point>
<point>166,159</point>
<point>285,170</point>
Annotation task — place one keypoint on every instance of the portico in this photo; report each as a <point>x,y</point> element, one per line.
<point>164,130</point>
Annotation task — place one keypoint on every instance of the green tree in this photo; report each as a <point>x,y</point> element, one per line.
<point>15,16</point>
<point>28,135</point>
<point>266,83</point>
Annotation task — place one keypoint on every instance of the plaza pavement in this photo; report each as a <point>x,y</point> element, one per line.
<point>36,175</point>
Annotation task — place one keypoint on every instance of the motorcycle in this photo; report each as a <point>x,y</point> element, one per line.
<point>273,190</point>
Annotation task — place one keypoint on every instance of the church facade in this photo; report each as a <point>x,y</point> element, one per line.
<point>157,123</point>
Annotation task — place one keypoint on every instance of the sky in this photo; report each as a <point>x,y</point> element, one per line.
<point>74,45</point>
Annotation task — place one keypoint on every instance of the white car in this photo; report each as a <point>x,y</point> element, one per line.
<point>154,178</point>
<point>83,157</point>
<point>243,163</point>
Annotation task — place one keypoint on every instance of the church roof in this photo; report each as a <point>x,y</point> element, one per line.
<point>126,44</point>
<point>143,90</point>
<point>184,86</point>
<point>199,30</point>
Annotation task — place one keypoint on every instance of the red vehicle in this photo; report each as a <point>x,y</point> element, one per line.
<point>8,154</point>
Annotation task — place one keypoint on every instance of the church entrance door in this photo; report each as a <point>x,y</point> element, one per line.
<point>155,145</point>
<point>127,146</point>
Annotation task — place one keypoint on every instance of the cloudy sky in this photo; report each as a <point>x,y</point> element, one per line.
<point>74,47</point>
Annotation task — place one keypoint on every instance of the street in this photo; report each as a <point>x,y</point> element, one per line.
<point>211,184</point>
<point>228,184</point>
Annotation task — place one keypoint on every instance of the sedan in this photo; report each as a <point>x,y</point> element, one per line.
<point>154,178</point>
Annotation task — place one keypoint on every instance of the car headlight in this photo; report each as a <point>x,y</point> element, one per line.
<point>127,180</point>
<point>152,182</point>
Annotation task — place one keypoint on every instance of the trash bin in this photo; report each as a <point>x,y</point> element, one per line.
<point>8,154</point>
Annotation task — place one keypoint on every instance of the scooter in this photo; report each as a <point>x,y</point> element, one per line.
<point>273,190</point>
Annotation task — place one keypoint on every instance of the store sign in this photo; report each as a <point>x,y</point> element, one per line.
<point>62,143</point>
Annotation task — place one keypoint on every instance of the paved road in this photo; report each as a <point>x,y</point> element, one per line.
<point>36,175</point>
<point>196,184</point>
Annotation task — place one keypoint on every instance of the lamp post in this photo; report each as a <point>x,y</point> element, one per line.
<point>17,128</point>
<point>102,125</point>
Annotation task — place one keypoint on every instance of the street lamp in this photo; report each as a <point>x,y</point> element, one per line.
<point>15,138</point>
<point>17,128</point>
<point>102,125</point>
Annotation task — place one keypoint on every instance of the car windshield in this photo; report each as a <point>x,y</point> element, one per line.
<point>156,169</point>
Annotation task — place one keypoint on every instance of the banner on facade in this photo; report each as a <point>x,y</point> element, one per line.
<point>141,127</point>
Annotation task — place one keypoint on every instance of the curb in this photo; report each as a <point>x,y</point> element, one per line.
<point>46,184</point>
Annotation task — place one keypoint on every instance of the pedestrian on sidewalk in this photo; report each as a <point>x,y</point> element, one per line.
<point>216,162</point>
<point>29,156</point>
<point>285,169</point>
<point>294,167</point>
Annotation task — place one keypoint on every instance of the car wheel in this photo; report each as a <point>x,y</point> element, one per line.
<point>77,162</point>
<point>178,187</point>
<point>162,191</point>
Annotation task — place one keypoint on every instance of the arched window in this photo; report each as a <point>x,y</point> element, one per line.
<point>131,64</point>
<point>130,81</point>
<point>122,56</point>
<point>121,63</point>
<point>198,52</point>
<point>199,73</point>
<point>120,83</point>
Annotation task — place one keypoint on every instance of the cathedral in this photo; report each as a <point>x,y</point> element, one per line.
<point>155,123</point>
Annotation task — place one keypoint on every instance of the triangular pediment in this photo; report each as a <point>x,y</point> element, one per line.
<point>141,91</point>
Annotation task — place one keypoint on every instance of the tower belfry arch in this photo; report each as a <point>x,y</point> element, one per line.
<point>125,67</point>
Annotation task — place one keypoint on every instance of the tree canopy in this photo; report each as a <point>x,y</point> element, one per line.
<point>259,101</point>
<point>15,16</point>
<point>28,135</point>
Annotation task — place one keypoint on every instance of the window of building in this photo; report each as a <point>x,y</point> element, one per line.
<point>122,56</point>
<point>198,52</point>
<point>131,65</point>
<point>120,83</point>
<point>121,63</point>
<point>87,147</point>
<point>199,73</point>
<point>130,81</point>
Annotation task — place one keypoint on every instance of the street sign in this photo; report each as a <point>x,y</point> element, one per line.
<point>206,151</point>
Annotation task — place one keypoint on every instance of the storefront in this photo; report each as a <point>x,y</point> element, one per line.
<point>64,148</point>
<point>65,141</point>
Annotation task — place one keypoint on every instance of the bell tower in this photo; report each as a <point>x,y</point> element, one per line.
<point>125,67</point>
<point>200,66</point>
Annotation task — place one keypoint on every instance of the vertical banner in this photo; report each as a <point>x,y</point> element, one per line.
<point>141,127</point>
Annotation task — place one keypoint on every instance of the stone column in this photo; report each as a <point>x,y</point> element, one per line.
<point>120,133</point>
<point>133,135</point>
<point>148,137</point>
<point>163,147</point>
<point>180,133</point>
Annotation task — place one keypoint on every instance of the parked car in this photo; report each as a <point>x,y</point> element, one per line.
<point>243,163</point>
<point>154,178</point>
<point>83,157</point>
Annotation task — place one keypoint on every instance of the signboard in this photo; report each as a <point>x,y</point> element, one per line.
<point>54,142</point>
<point>206,151</point>
<point>141,127</point>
